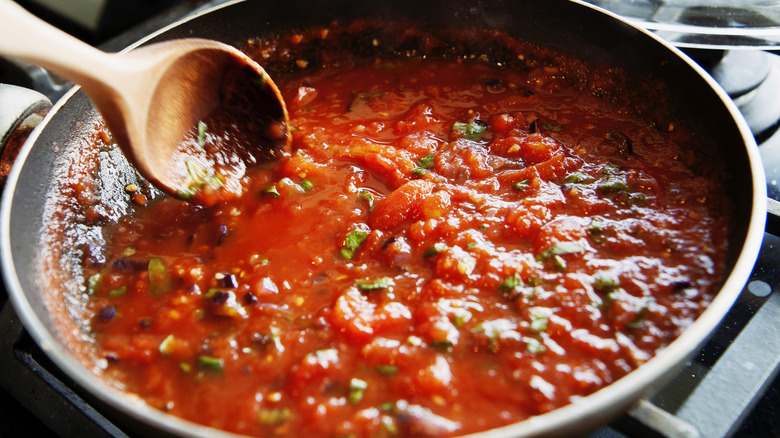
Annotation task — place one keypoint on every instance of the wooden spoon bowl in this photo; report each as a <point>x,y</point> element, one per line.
<point>156,98</point>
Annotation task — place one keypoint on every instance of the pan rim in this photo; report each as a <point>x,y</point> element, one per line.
<point>626,389</point>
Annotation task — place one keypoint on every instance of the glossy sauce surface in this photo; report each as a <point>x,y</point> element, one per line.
<point>449,247</point>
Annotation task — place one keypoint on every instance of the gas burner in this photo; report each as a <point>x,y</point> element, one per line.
<point>752,79</point>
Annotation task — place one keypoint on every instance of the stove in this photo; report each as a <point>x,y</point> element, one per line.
<point>730,388</point>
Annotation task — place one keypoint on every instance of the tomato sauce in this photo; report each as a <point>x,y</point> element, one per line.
<point>450,246</point>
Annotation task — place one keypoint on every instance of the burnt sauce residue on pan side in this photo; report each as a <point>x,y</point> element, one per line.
<point>454,243</point>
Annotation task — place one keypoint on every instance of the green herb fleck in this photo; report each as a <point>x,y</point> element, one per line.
<point>260,81</point>
<point>307,185</point>
<point>472,130</point>
<point>92,283</point>
<point>426,162</point>
<point>521,186</point>
<point>437,248</point>
<point>211,364</point>
<point>118,292</point>
<point>441,345</point>
<point>352,242</point>
<point>160,281</point>
<point>559,263</point>
<point>369,285</point>
<point>511,282</point>
<point>641,313</point>
<point>613,184</point>
<point>558,249</point>
<point>535,346</point>
<point>419,171</point>
<point>357,389</point>
<point>387,370</point>
<point>553,127</point>
<point>273,417</point>
<point>201,134</point>
<point>538,322</point>
<point>605,283</point>
<point>460,318</point>
<point>271,191</point>
<point>366,196</point>
<point>197,178</point>
<point>596,227</point>
<point>389,424</point>
<point>611,180</point>
<point>575,178</point>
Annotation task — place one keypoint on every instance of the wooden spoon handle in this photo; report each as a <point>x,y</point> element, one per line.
<point>25,36</point>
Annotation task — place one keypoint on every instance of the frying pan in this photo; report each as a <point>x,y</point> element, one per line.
<point>46,307</point>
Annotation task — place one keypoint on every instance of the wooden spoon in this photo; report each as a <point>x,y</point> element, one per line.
<point>157,99</point>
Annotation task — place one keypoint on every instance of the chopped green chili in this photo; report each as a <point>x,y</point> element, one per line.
<point>307,185</point>
<point>160,280</point>
<point>352,242</point>
<point>271,191</point>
